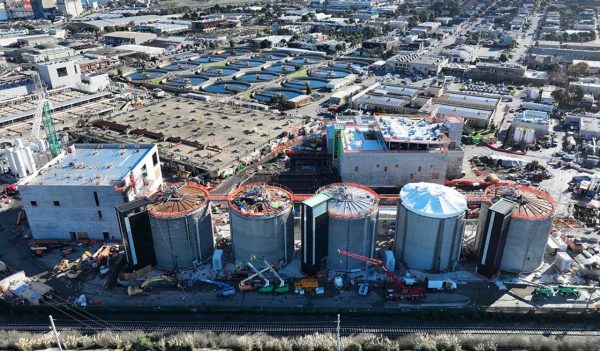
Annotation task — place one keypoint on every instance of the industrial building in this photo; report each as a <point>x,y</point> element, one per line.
<point>430,227</point>
<point>59,74</point>
<point>262,223</point>
<point>75,195</point>
<point>127,38</point>
<point>397,150</point>
<point>519,244</point>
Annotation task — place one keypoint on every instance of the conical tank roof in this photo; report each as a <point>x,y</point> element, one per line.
<point>433,200</point>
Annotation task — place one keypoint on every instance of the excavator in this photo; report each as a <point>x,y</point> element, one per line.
<point>403,291</point>
<point>133,290</point>
<point>226,291</point>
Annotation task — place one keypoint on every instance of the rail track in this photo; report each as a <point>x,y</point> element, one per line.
<point>300,328</point>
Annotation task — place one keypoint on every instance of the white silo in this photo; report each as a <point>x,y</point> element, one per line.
<point>518,135</point>
<point>430,226</point>
<point>529,137</point>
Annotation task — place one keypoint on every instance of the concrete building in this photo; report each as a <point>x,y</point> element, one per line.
<point>70,8</point>
<point>50,54</point>
<point>537,120</point>
<point>15,86</point>
<point>127,38</point>
<point>589,85</point>
<point>426,65</point>
<point>60,74</point>
<point>382,43</point>
<point>95,82</point>
<point>75,195</point>
<point>398,151</point>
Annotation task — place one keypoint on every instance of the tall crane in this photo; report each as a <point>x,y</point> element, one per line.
<point>43,114</point>
<point>404,291</point>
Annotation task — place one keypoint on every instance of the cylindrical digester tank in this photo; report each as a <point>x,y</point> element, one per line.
<point>181,226</point>
<point>430,226</point>
<point>262,223</point>
<point>529,226</point>
<point>352,212</point>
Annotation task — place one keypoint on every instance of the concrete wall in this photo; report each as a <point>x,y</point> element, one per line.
<point>55,76</point>
<point>77,212</point>
<point>393,168</point>
<point>455,163</point>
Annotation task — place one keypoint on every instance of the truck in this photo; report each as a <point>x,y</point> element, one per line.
<point>441,285</point>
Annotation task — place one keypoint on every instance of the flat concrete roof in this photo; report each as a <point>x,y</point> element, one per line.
<point>207,135</point>
<point>92,164</point>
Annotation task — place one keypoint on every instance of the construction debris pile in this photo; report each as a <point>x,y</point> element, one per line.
<point>511,168</point>
<point>261,199</point>
<point>588,213</point>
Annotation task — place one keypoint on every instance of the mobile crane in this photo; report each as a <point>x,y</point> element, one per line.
<point>403,291</point>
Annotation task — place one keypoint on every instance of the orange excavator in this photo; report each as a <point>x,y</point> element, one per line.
<point>402,291</point>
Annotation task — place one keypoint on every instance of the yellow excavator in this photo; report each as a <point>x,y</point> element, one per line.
<point>136,290</point>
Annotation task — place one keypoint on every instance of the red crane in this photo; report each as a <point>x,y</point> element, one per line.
<point>404,291</point>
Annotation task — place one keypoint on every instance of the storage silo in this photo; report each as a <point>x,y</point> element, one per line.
<point>352,210</point>
<point>529,228</point>
<point>430,226</point>
<point>181,225</point>
<point>262,223</point>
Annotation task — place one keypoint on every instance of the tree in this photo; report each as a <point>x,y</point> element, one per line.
<point>503,57</point>
<point>231,44</point>
<point>561,96</point>
<point>577,94</point>
<point>579,69</point>
<point>308,89</point>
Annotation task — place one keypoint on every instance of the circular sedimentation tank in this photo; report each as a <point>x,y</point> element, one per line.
<point>185,82</point>
<point>430,226</point>
<point>180,66</point>
<point>305,60</point>
<point>209,59</point>
<point>302,83</point>
<point>352,212</point>
<point>262,223</point>
<point>268,95</point>
<point>529,226</point>
<point>146,74</point>
<point>180,221</point>
<point>229,87</point>
<point>257,76</point>
<point>272,56</point>
<point>248,63</point>
<point>235,52</point>
<point>349,64</point>
<point>220,71</point>
<point>281,68</point>
<point>330,73</point>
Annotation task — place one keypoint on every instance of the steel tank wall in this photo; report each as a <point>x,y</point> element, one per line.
<point>269,237</point>
<point>525,245</point>
<point>479,234</point>
<point>179,241</point>
<point>428,244</point>
<point>354,235</point>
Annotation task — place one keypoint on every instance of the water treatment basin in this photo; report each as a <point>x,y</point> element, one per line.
<point>326,72</point>
<point>281,68</point>
<point>209,59</point>
<point>257,76</point>
<point>229,87</point>
<point>220,71</point>
<point>186,82</point>
<point>146,74</point>
<point>180,66</point>
<point>301,83</point>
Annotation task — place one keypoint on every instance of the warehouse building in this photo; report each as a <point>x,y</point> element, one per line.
<point>127,38</point>
<point>74,197</point>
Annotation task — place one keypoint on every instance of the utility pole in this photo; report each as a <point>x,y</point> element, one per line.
<point>56,333</point>
<point>338,333</point>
